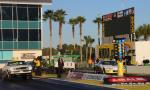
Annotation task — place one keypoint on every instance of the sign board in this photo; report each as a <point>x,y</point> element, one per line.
<point>88,76</point>
<point>75,75</point>
<point>27,55</point>
<point>66,65</point>
<point>118,23</point>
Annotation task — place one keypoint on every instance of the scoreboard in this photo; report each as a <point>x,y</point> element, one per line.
<point>118,23</point>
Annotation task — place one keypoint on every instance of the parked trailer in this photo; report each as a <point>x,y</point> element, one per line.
<point>142,51</point>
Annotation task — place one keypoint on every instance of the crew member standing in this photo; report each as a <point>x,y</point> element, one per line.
<point>60,67</point>
<point>38,67</point>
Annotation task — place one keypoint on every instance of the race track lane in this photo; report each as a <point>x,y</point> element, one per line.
<point>47,84</point>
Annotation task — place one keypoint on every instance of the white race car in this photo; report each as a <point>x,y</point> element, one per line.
<point>107,66</point>
<point>16,68</point>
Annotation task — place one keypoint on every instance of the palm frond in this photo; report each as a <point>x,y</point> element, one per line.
<point>97,20</point>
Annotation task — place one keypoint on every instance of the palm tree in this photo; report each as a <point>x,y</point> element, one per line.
<point>138,32</point>
<point>98,20</point>
<point>48,15</point>
<point>87,41</point>
<point>81,20</point>
<point>73,22</point>
<point>91,41</point>
<point>59,16</point>
<point>143,30</point>
<point>146,31</point>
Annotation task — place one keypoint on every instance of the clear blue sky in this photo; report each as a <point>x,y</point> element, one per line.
<point>91,9</point>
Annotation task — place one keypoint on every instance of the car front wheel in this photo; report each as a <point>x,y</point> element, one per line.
<point>6,76</point>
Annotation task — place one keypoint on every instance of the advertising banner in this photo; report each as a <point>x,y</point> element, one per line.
<point>75,75</point>
<point>87,76</point>
<point>100,77</point>
<point>131,79</point>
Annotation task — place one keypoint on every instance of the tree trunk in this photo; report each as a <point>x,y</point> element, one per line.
<point>90,52</point>
<point>87,54</point>
<point>90,59</point>
<point>145,37</point>
<point>73,34</point>
<point>60,35</point>
<point>50,24</point>
<point>99,42</point>
<point>81,43</point>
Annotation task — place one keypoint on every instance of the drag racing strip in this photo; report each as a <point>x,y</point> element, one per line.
<point>77,86</point>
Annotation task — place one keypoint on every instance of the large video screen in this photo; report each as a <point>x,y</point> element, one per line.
<point>118,23</point>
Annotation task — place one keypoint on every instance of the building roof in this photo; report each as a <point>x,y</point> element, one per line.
<point>26,1</point>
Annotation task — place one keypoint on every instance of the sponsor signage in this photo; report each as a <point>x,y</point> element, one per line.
<point>86,76</point>
<point>100,77</point>
<point>75,75</point>
<point>119,14</point>
<point>28,55</point>
<point>119,80</point>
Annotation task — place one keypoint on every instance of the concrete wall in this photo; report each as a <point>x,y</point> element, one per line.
<point>143,70</point>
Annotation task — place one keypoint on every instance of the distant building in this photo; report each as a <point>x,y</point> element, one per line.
<point>21,29</point>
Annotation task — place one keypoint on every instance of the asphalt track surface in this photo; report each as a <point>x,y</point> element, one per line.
<point>46,84</point>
